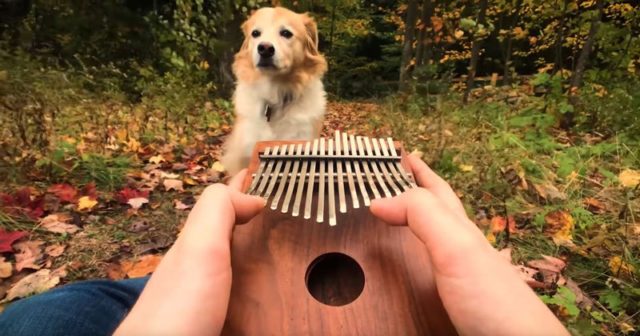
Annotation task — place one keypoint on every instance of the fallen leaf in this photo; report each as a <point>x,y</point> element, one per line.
<point>594,205</point>
<point>90,190</point>
<point>629,178</point>
<point>57,223</point>
<point>138,226</point>
<point>114,271</point>
<point>169,175</point>
<point>6,269</point>
<point>465,168</point>
<point>498,224</point>
<point>64,192</point>
<point>548,191</point>
<point>86,203</point>
<point>157,159</point>
<point>548,263</point>
<point>582,299</point>
<point>620,267</point>
<point>181,206</point>
<point>559,224</point>
<point>60,272</point>
<point>54,250</point>
<point>170,184</point>
<point>28,255</point>
<point>8,238</point>
<point>137,202</point>
<point>626,328</point>
<point>144,266</point>
<point>218,166</point>
<point>123,196</point>
<point>35,283</point>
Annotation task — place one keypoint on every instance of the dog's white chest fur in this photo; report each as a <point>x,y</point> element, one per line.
<point>300,118</point>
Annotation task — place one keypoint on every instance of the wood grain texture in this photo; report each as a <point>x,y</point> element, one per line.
<point>270,258</point>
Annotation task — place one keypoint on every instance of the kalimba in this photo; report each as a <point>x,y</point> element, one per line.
<point>316,262</point>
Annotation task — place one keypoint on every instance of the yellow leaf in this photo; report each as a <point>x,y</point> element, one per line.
<point>157,159</point>
<point>491,238</point>
<point>465,168</point>
<point>620,267</point>
<point>133,145</point>
<point>121,134</point>
<point>559,224</point>
<point>217,166</point>
<point>629,178</point>
<point>459,34</point>
<point>86,203</point>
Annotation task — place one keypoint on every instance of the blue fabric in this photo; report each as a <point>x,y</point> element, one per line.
<point>85,308</point>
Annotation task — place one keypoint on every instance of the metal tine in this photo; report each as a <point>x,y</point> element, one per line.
<point>276,171</point>
<point>267,172</point>
<point>299,190</point>
<point>320,213</point>
<point>347,164</point>
<point>365,166</point>
<point>258,175</point>
<point>392,148</point>
<point>391,165</point>
<point>332,192</point>
<point>292,181</point>
<point>283,180</point>
<point>312,177</point>
<point>341,197</point>
<point>383,167</point>
<point>374,167</point>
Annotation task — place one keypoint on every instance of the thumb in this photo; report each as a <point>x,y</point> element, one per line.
<point>246,206</point>
<point>392,211</point>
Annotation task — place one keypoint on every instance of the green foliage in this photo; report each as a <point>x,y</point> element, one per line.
<point>564,298</point>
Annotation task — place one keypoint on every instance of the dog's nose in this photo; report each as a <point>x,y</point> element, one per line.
<point>266,49</point>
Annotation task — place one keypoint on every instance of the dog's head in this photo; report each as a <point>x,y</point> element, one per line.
<point>279,42</point>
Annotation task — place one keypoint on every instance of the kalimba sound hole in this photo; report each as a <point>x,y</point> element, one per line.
<point>335,279</point>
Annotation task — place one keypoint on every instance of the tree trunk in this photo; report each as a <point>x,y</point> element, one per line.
<point>506,78</point>
<point>557,64</point>
<point>585,53</point>
<point>423,45</point>
<point>407,49</point>
<point>475,53</point>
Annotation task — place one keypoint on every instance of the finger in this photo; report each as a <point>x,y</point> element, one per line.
<point>246,206</point>
<point>213,215</point>
<point>392,210</point>
<point>237,180</point>
<point>427,178</point>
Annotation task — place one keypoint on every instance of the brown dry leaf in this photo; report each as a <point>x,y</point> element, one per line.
<point>582,299</point>
<point>137,202</point>
<point>548,191</point>
<point>620,267</point>
<point>60,272</point>
<point>28,255</point>
<point>157,159</point>
<point>55,250</point>
<point>181,206</point>
<point>6,269</point>
<point>170,184</point>
<point>58,223</point>
<point>115,272</point>
<point>548,263</point>
<point>169,175</point>
<point>594,205</point>
<point>629,178</point>
<point>499,224</point>
<point>559,224</point>
<point>35,283</point>
<point>86,203</point>
<point>144,266</point>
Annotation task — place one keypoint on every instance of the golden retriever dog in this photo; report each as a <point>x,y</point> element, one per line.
<point>279,93</point>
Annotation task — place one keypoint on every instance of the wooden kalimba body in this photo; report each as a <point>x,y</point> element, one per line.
<point>315,261</point>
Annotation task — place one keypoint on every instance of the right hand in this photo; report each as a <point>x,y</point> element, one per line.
<point>481,292</point>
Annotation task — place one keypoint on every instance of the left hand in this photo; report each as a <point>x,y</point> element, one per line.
<point>188,294</point>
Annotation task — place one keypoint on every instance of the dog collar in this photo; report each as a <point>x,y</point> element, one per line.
<point>269,109</point>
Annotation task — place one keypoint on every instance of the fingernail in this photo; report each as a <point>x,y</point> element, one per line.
<point>262,200</point>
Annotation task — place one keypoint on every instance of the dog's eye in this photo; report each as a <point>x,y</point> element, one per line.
<point>255,33</point>
<point>286,33</point>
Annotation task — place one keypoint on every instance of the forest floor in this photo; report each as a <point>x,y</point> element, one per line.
<point>563,207</point>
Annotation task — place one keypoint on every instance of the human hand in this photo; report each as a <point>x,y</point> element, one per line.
<point>481,292</point>
<point>188,294</point>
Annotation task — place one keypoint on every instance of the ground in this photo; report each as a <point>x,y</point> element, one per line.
<point>560,206</point>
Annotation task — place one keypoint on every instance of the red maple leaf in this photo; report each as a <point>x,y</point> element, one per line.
<point>123,196</point>
<point>7,239</point>
<point>65,192</point>
<point>22,202</point>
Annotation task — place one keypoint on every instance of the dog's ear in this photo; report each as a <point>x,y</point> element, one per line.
<point>242,65</point>
<point>312,34</point>
<point>316,62</point>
